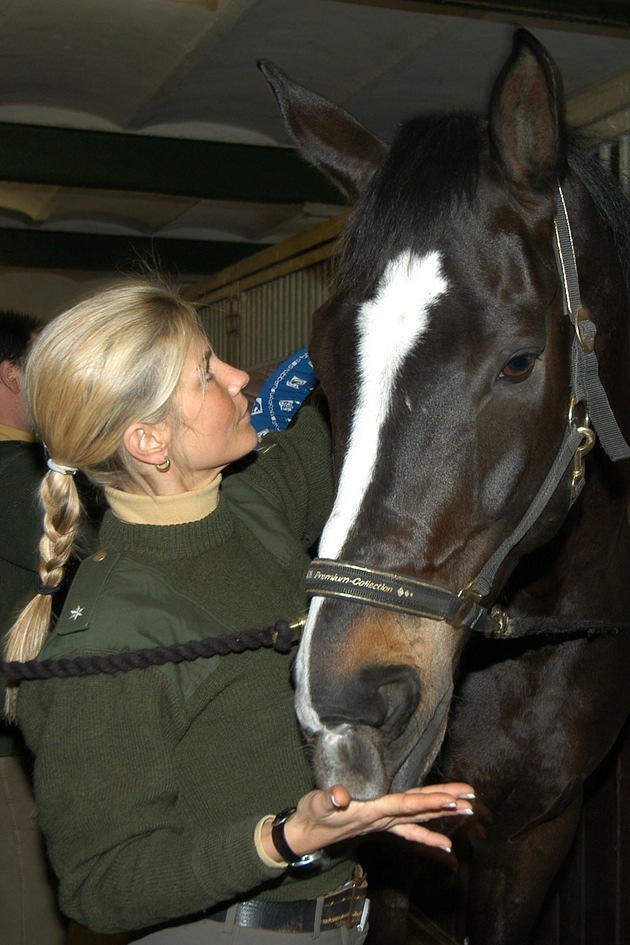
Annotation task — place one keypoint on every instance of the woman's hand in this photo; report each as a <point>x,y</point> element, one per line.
<point>326,817</point>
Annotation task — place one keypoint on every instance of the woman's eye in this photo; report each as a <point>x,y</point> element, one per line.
<point>206,371</point>
<point>519,367</point>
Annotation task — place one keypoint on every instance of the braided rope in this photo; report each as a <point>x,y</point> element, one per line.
<point>278,637</point>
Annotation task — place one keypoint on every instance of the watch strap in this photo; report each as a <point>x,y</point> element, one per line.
<point>279,841</point>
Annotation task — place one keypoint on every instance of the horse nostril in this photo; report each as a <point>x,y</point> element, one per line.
<point>382,697</point>
<point>400,694</point>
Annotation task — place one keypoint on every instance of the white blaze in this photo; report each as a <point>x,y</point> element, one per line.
<point>389,325</point>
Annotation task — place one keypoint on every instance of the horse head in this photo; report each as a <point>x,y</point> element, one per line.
<point>445,355</point>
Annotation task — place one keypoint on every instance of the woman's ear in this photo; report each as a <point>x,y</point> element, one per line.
<point>147,442</point>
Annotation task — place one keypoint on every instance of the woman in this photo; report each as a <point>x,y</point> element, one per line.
<point>157,789</point>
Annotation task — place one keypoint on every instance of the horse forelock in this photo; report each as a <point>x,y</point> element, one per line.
<point>431,169</point>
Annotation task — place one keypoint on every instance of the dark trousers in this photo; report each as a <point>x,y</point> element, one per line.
<point>28,909</point>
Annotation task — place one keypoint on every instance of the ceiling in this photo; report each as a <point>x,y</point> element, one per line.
<point>134,129</point>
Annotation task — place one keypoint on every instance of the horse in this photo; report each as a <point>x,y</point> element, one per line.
<point>471,589</point>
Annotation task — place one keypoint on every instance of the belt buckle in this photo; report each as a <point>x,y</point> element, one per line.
<point>364,916</point>
<point>357,883</point>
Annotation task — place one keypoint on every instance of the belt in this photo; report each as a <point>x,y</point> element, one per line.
<point>346,906</point>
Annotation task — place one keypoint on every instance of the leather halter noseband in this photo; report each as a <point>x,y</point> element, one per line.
<point>463,608</point>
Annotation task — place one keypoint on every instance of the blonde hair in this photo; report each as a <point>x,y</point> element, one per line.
<point>110,361</point>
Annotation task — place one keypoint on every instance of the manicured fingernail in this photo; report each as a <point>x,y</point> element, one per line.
<point>468,797</point>
<point>451,806</point>
<point>447,849</point>
<point>334,802</point>
<point>467,810</point>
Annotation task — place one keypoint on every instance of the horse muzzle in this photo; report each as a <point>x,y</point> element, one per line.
<point>361,758</point>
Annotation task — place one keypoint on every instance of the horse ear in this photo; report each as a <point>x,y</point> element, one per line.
<point>527,126</point>
<point>325,134</point>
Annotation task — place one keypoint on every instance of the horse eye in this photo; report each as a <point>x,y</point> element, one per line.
<point>519,367</point>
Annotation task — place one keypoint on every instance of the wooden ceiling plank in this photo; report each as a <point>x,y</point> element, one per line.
<point>602,100</point>
<point>604,17</point>
<point>610,127</point>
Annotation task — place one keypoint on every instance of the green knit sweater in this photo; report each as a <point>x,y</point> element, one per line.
<point>149,784</point>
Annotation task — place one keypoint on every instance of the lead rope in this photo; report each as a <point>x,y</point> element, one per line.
<point>280,636</point>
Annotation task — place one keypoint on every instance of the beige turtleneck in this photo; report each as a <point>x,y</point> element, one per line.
<point>12,433</point>
<point>164,509</point>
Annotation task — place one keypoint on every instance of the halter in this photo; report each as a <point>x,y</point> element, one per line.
<point>463,608</point>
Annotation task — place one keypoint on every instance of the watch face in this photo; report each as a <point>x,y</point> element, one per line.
<point>283,816</point>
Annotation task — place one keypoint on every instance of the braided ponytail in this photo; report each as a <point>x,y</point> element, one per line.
<point>110,361</point>
<point>63,513</point>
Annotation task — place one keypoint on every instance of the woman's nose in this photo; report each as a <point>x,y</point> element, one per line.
<point>242,379</point>
<point>234,378</point>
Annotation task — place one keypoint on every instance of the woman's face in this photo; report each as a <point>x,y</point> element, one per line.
<point>215,420</point>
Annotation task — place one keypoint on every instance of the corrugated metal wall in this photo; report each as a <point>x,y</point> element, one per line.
<point>261,310</point>
<point>267,322</point>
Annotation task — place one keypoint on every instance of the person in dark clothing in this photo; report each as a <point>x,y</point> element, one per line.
<point>27,898</point>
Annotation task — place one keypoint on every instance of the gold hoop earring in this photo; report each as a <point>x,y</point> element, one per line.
<point>163,467</point>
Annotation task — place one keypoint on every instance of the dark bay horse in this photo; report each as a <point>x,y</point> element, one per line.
<point>474,348</point>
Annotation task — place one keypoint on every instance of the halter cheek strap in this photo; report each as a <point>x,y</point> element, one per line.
<point>587,385</point>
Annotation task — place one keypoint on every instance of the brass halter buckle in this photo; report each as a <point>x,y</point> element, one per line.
<point>585,447</point>
<point>587,342</point>
<point>497,624</point>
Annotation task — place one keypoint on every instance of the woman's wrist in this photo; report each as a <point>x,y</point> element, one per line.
<point>275,849</point>
<point>264,844</point>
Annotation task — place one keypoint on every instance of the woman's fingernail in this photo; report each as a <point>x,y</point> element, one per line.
<point>467,810</point>
<point>447,849</point>
<point>334,802</point>
<point>468,797</point>
<point>451,806</point>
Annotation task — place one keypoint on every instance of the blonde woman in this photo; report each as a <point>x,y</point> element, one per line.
<point>157,789</point>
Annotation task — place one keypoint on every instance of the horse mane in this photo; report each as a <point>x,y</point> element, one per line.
<point>607,195</point>
<point>431,169</point>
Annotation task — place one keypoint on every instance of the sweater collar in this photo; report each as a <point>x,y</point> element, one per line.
<point>164,509</point>
<point>12,433</point>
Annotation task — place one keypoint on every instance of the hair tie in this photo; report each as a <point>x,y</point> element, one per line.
<point>59,468</point>
<point>48,589</point>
